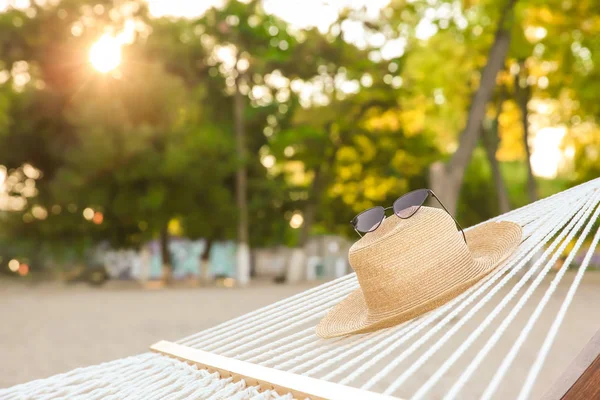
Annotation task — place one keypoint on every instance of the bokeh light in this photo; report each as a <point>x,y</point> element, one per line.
<point>13,265</point>
<point>98,218</point>
<point>268,161</point>
<point>296,221</point>
<point>228,282</point>
<point>23,269</point>
<point>39,212</point>
<point>88,214</point>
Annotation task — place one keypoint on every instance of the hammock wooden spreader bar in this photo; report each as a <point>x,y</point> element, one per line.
<point>301,387</point>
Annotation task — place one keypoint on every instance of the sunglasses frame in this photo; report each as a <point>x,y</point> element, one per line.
<point>429,193</point>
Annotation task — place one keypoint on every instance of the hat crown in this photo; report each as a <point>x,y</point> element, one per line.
<point>408,259</point>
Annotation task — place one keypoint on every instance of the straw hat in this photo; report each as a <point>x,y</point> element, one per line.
<point>410,266</point>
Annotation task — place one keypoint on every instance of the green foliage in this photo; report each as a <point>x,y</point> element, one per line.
<point>331,126</point>
<point>139,158</point>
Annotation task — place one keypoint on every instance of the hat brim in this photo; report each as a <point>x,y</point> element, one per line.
<point>490,244</point>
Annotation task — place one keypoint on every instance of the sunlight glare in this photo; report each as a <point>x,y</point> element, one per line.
<point>105,54</point>
<point>546,151</point>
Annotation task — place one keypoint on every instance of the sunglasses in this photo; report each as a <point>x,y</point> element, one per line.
<point>404,207</point>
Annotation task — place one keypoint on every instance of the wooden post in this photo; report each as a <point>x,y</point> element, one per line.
<point>581,380</point>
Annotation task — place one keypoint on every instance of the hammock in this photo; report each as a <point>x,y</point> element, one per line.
<point>466,348</point>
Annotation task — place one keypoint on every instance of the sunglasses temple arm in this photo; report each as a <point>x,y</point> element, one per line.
<point>445,209</point>
<point>358,232</point>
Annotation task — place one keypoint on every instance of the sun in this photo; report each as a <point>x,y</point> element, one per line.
<point>105,54</point>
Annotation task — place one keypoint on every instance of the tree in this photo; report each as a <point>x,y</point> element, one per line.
<point>294,130</point>
<point>234,47</point>
<point>491,140</point>
<point>43,54</point>
<point>143,161</point>
<point>447,179</point>
<point>523,95</point>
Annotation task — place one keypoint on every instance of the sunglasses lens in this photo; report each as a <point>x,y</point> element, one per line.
<point>369,220</point>
<point>408,204</point>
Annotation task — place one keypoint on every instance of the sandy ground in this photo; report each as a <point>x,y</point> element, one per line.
<point>52,328</point>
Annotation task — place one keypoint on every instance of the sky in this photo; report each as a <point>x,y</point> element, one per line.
<point>299,13</point>
<point>547,154</point>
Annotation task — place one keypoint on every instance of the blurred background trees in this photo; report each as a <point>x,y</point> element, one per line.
<point>268,122</point>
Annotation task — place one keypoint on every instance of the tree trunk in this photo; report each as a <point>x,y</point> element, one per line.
<point>241,188</point>
<point>205,261</point>
<point>491,139</point>
<point>523,94</point>
<point>297,264</point>
<point>296,267</point>
<point>311,206</point>
<point>167,270</point>
<point>446,180</point>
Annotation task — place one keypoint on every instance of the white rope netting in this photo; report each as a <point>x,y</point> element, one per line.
<point>464,349</point>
